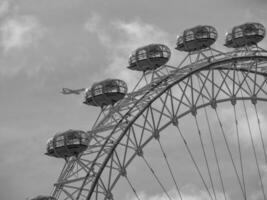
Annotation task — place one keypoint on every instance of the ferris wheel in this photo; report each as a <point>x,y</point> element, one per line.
<point>192,130</point>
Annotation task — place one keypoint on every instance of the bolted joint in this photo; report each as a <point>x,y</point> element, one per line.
<point>92,172</point>
<point>154,84</point>
<point>175,121</point>
<point>233,100</point>
<point>165,82</point>
<point>213,103</point>
<point>194,110</point>
<point>254,99</point>
<point>109,195</point>
<point>139,151</point>
<point>123,171</point>
<point>156,134</point>
<point>209,60</point>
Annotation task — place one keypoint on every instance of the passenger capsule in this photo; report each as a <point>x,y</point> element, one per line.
<point>44,198</point>
<point>67,144</point>
<point>197,38</point>
<point>106,92</point>
<point>149,57</point>
<point>245,35</point>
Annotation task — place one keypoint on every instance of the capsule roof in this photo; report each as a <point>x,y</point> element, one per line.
<point>245,35</point>
<point>149,57</point>
<point>196,38</point>
<point>67,144</point>
<point>106,92</point>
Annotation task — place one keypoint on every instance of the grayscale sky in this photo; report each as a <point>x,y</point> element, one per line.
<point>49,44</point>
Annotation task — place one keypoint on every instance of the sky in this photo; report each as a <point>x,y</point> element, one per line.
<point>46,45</point>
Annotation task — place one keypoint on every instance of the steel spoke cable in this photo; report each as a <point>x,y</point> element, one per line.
<point>255,107</point>
<point>133,189</point>
<point>194,161</point>
<point>146,79</point>
<point>239,151</point>
<point>229,152</point>
<point>102,110</point>
<point>261,134</point>
<point>163,108</point>
<point>126,148</point>
<point>138,83</point>
<point>253,144</point>
<point>143,129</point>
<point>201,89</point>
<point>213,146</point>
<point>205,156</point>
<point>156,177</point>
<point>258,119</point>
<point>254,150</point>
<point>170,169</point>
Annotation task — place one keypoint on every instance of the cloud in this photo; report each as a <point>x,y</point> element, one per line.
<point>19,36</point>
<point>254,125</point>
<point>4,8</point>
<point>258,195</point>
<point>188,192</point>
<point>17,30</point>
<point>264,177</point>
<point>227,117</point>
<point>120,38</point>
<point>20,32</point>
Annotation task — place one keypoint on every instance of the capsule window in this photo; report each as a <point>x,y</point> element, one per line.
<point>59,143</point>
<point>229,37</point>
<point>88,94</point>
<point>202,33</point>
<point>250,30</point>
<point>238,33</point>
<point>165,54</point>
<point>84,139</point>
<point>212,35</point>
<point>110,89</point>
<point>50,144</point>
<point>154,54</point>
<point>261,32</point>
<point>141,54</point>
<point>122,89</point>
<point>50,147</point>
<point>180,40</point>
<point>74,141</point>
<point>98,90</point>
<point>189,35</point>
<point>132,59</point>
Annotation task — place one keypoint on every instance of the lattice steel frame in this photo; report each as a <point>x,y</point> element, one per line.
<point>117,136</point>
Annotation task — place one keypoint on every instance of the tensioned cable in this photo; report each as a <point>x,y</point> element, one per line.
<point>170,170</point>
<point>205,156</point>
<point>258,119</point>
<point>131,185</point>
<point>229,151</point>
<point>156,177</point>
<point>102,110</point>
<point>213,145</point>
<point>138,83</point>
<point>261,135</point>
<point>254,150</point>
<point>192,158</point>
<point>252,142</point>
<point>239,151</point>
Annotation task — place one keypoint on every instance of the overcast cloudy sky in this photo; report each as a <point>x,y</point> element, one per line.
<point>49,44</point>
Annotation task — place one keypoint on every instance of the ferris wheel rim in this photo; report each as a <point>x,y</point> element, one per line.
<point>194,71</point>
